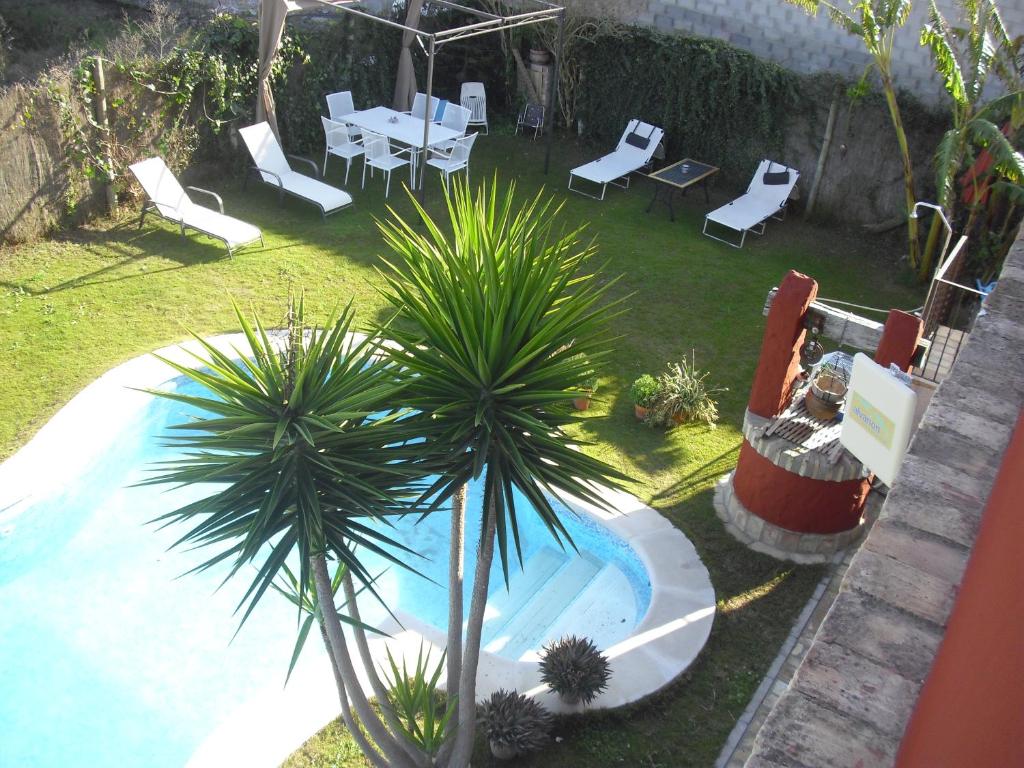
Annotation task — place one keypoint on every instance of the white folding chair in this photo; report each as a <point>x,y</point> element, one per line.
<point>167,199</point>
<point>338,142</point>
<point>377,154</point>
<point>474,98</point>
<point>532,116</point>
<point>765,198</point>
<point>456,159</point>
<point>271,163</point>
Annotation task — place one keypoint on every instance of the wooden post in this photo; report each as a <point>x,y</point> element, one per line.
<point>101,119</point>
<point>826,143</point>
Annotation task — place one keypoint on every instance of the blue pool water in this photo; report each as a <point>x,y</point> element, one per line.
<point>109,658</point>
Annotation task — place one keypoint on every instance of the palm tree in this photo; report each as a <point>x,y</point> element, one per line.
<point>306,464</point>
<point>875,22</point>
<point>497,328</point>
<point>966,57</point>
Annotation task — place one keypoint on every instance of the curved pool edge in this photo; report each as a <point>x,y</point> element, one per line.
<point>269,727</point>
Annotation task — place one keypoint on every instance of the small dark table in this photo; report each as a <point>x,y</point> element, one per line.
<point>680,176</point>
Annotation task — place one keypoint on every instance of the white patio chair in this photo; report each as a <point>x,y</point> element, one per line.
<point>474,98</point>
<point>456,159</point>
<point>532,116</point>
<point>338,142</point>
<point>167,199</point>
<point>765,198</point>
<point>377,154</point>
<point>339,105</point>
<point>634,151</point>
<point>270,161</point>
<point>456,118</point>
<point>419,103</point>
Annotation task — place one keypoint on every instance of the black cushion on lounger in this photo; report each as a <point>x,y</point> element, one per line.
<point>636,140</point>
<point>776,179</point>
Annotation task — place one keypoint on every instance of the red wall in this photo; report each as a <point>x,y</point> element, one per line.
<point>971,709</point>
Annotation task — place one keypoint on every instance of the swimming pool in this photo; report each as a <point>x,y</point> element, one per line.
<point>112,660</point>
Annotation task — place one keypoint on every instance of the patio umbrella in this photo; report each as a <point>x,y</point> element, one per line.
<point>405,82</point>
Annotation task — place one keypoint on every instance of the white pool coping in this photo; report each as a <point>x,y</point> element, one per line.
<point>269,727</point>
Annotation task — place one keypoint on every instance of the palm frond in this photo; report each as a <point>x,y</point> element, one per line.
<point>1006,160</point>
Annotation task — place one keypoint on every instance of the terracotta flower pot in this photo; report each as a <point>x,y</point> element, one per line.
<point>581,403</point>
<point>640,412</point>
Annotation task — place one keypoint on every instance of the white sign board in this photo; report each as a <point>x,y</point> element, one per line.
<point>878,418</point>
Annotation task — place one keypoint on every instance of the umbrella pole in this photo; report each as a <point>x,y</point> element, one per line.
<point>427,117</point>
<point>553,91</point>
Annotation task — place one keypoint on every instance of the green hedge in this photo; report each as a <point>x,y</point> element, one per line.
<point>716,103</point>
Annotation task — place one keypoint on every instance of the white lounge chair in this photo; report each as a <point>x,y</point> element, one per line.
<point>765,198</point>
<point>170,201</point>
<point>454,160</point>
<point>270,162</point>
<point>634,151</point>
<point>473,97</point>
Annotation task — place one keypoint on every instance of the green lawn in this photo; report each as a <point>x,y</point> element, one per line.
<point>73,307</point>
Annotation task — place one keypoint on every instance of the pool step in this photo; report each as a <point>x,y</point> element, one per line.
<point>520,634</point>
<point>503,605</point>
<point>598,611</point>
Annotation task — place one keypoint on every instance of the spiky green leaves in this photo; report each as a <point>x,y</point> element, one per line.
<point>304,443</point>
<point>498,325</point>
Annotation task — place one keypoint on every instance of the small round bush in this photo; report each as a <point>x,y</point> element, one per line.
<point>645,390</point>
<point>574,669</point>
<point>514,722</point>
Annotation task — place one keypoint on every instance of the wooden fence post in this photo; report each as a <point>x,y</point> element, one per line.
<point>101,119</point>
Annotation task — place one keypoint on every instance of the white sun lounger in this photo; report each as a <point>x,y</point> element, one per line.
<point>635,149</point>
<point>750,211</point>
<point>270,161</point>
<point>170,201</point>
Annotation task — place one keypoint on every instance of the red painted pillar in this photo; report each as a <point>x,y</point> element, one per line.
<point>899,340</point>
<point>779,363</point>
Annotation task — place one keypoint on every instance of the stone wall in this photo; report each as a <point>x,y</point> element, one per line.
<point>851,698</point>
<point>776,30</point>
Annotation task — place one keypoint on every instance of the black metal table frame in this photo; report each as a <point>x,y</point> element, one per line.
<point>671,187</point>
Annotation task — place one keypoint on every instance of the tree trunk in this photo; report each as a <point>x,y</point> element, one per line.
<point>414,753</point>
<point>378,732</point>
<point>346,711</point>
<point>908,168</point>
<point>456,568</point>
<point>463,750</point>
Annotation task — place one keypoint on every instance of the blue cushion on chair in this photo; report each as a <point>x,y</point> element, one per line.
<point>439,112</point>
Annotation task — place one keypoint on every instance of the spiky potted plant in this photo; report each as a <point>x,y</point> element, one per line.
<point>513,723</point>
<point>575,669</point>
<point>644,392</point>
<point>684,396</point>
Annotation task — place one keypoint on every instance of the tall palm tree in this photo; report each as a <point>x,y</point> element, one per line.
<point>498,325</point>
<point>875,22</point>
<point>309,459</point>
<point>966,57</point>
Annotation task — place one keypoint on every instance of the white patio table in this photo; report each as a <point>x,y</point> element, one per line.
<point>403,128</point>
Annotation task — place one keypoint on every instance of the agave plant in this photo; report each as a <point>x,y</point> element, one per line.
<point>513,723</point>
<point>308,458</point>
<point>424,712</point>
<point>683,395</point>
<point>575,669</point>
<point>500,324</point>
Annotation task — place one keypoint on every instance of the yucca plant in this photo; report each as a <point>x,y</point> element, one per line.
<point>683,396</point>
<point>306,454</point>
<point>499,324</point>
<point>575,669</point>
<point>513,723</point>
<point>424,712</point>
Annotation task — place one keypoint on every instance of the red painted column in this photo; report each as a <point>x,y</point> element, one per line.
<point>900,338</point>
<point>779,363</point>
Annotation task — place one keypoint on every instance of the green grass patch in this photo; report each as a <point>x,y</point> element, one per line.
<point>73,307</point>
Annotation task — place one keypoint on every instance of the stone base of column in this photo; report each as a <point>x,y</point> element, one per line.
<point>761,536</point>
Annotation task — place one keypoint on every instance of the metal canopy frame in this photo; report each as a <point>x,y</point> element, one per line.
<point>430,42</point>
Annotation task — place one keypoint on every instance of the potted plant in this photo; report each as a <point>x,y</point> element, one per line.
<point>644,392</point>
<point>575,669</point>
<point>587,390</point>
<point>513,724</point>
<point>684,396</point>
